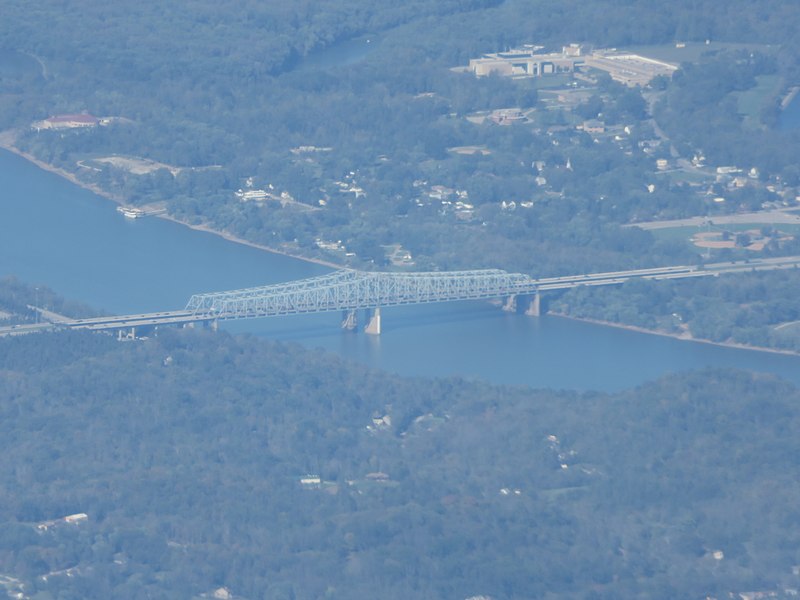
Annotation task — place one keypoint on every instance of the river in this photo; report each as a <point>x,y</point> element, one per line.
<point>341,54</point>
<point>790,116</point>
<point>55,233</point>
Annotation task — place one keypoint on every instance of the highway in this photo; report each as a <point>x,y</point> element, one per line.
<point>145,319</point>
<point>501,284</point>
<point>677,272</point>
<point>9,330</point>
<point>177,317</point>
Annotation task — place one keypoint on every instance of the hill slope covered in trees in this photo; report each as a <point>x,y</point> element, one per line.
<point>218,94</point>
<point>205,461</point>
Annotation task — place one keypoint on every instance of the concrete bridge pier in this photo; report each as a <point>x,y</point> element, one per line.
<point>212,324</point>
<point>535,306</point>
<point>123,335</point>
<point>532,303</point>
<point>374,325</point>
<point>510,304</point>
<point>349,320</point>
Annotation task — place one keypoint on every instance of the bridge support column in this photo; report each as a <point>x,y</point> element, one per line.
<point>535,307</point>
<point>214,325</point>
<point>510,304</point>
<point>123,335</point>
<point>374,325</point>
<point>349,320</point>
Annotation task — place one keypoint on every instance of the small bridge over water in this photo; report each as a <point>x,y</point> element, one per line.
<point>349,291</point>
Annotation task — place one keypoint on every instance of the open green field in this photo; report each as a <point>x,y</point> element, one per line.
<point>752,101</point>
<point>553,82</point>
<point>684,176</point>
<point>685,234</point>
<point>787,228</point>
<point>677,233</point>
<point>687,231</point>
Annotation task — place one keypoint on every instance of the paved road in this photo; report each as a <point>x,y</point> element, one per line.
<point>9,330</point>
<point>536,285</point>
<point>177,317</point>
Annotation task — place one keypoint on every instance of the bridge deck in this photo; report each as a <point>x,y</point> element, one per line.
<point>348,290</point>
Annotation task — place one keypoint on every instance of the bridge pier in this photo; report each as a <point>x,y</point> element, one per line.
<point>510,304</point>
<point>347,290</point>
<point>532,303</point>
<point>374,325</point>
<point>121,335</point>
<point>349,320</point>
<point>535,307</point>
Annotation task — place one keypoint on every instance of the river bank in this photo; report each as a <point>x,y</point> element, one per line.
<point>7,143</point>
<point>790,95</point>
<point>7,139</point>
<point>234,238</point>
<point>684,336</point>
<point>57,234</point>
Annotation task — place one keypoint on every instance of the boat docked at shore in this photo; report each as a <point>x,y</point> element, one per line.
<point>131,212</point>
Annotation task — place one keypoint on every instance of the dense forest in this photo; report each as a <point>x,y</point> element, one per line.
<point>757,309</point>
<point>18,300</point>
<point>203,461</point>
<point>197,465</point>
<point>220,94</point>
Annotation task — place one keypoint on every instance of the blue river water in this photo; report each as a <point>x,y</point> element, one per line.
<point>341,54</point>
<point>57,234</point>
<point>790,116</point>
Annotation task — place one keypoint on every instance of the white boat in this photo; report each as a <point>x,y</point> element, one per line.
<point>131,212</point>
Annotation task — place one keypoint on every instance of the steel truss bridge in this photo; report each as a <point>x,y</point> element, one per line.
<point>348,291</point>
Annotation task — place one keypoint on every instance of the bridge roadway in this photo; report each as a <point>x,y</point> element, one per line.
<point>348,290</point>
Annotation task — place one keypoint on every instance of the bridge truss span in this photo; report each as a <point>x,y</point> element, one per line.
<point>350,290</point>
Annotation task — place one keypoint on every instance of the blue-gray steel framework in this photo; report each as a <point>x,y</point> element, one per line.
<point>350,290</point>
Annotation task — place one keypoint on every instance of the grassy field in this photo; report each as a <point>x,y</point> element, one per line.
<point>685,234</point>
<point>679,234</point>
<point>755,99</point>
<point>553,82</point>
<point>787,228</point>
<point>684,176</point>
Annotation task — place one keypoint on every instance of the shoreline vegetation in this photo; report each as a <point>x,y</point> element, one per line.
<point>684,336</point>
<point>237,240</point>
<point>7,143</point>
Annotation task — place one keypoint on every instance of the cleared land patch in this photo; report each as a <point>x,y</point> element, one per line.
<point>137,166</point>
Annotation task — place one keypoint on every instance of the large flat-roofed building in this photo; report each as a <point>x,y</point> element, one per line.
<point>67,122</point>
<point>527,62</point>
<point>630,69</point>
